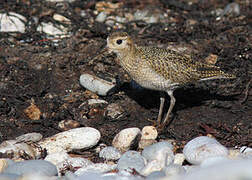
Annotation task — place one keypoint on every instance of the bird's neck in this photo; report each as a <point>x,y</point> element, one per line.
<point>127,58</point>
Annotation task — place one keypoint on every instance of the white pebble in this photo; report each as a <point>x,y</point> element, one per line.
<point>12,22</point>
<point>78,138</point>
<point>96,101</point>
<point>41,167</point>
<point>130,160</point>
<point>203,147</point>
<point>179,158</point>
<point>149,132</point>
<point>96,168</point>
<point>52,30</point>
<point>110,153</point>
<point>29,137</point>
<point>101,17</point>
<point>74,162</point>
<point>126,138</point>
<point>95,84</point>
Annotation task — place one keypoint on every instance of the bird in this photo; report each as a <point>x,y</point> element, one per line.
<point>160,69</point>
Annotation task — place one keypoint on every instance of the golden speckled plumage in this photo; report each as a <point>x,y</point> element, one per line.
<point>160,69</point>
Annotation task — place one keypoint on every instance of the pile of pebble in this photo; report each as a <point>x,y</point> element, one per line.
<point>202,157</point>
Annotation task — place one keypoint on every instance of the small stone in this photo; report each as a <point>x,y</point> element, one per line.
<point>179,158</point>
<point>96,101</point>
<point>33,112</point>
<point>95,84</point>
<point>8,176</point>
<point>131,160</point>
<point>114,111</point>
<point>203,147</point>
<point>61,18</point>
<point>149,132</point>
<point>29,137</point>
<point>33,176</point>
<point>126,138</point>
<point>53,30</point>
<point>68,124</point>
<point>12,22</point>
<point>101,17</point>
<point>41,167</point>
<point>78,138</point>
<point>95,168</point>
<point>110,153</point>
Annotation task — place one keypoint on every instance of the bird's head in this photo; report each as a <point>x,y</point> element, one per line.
<point>120,43</point>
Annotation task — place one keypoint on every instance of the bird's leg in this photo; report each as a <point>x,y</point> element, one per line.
<point>161,107</point>
<point>172,103</point>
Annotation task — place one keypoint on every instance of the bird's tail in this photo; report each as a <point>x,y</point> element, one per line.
<point>207,72</point>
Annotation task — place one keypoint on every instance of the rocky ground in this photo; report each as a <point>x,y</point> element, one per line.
<point>40,69</point>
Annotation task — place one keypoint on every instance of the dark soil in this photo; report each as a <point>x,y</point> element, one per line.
<point>33,68</point>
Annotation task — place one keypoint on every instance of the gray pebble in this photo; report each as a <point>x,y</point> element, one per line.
<point>131,160</point>
<point>110,153</point>
<point>41,167</point>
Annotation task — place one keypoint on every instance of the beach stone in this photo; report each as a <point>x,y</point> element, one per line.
<point>126,138</point>
<point>78,138</point>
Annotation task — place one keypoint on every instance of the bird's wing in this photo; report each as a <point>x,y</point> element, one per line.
<point>177,67</point>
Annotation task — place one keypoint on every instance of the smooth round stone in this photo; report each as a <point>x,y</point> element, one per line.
<point>130,160</point>
<point>78,138</point>
<point>149,132</point>
<point>96,168</point>
<point>155,175</point>
<point>95,84</point>
<point>161,152</point>
<point>110,153</point>
<point>126,138</point>
<point>203,147</point>
<point>41,167</point>
<point>51,29</point>
<point>29,137</point>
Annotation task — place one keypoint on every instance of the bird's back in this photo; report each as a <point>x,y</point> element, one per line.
<point>177,67</point>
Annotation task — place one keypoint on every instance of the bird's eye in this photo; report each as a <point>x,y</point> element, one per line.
<point>119,41</point>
